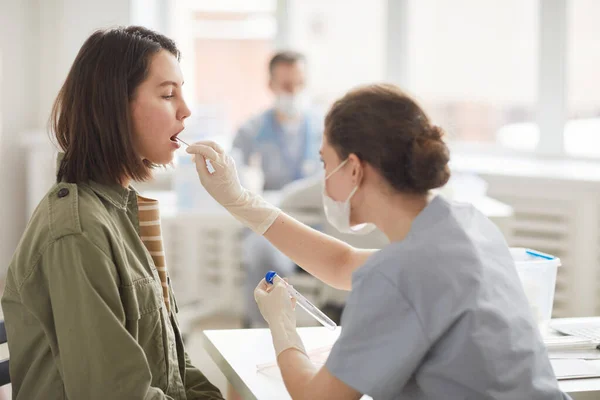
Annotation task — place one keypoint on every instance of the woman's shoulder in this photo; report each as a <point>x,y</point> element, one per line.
<point>66,209</point>
<point>68,213</point>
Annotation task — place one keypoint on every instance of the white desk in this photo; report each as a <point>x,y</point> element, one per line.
<point>591,385</point>
<point>237,352</point>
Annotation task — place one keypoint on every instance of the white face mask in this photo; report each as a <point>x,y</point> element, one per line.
<point>338,212</point>
<point>292,105</point>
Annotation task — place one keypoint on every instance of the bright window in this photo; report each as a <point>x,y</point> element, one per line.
<point>473,65</point>
<point>582,130</point>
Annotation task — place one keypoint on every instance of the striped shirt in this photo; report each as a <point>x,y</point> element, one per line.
<point>150,233</point>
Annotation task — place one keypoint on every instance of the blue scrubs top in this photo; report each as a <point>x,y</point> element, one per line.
<point>442,315</point>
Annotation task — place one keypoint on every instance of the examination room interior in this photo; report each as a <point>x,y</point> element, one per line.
<point>514,84</point>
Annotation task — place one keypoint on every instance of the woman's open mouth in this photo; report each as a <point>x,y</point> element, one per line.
<point>174,138</point>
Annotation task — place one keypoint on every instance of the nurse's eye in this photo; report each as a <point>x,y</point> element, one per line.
<point>168,97</point>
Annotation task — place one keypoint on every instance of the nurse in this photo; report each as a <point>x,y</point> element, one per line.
<point>437,314</point>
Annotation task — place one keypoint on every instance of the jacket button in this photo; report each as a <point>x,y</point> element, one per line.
<point>64,192</point>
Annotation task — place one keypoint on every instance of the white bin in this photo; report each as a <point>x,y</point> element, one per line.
<point>537,272</point>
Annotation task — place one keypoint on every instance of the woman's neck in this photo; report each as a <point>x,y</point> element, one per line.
<point>125,182</point>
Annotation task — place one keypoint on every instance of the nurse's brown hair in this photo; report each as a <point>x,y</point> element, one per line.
<point>386,128</point>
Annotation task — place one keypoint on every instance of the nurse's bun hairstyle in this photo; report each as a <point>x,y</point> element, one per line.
<point>387,129</point>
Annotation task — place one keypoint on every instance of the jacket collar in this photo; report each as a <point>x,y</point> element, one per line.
<point>115,194</point>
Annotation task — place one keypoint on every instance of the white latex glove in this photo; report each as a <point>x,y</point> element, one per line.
<point>277,308</point>
<point>224,186</point>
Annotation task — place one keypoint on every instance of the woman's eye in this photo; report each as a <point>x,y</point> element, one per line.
<point>170,96</point>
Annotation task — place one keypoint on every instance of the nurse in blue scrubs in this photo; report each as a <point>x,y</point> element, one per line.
<point>438,313</point>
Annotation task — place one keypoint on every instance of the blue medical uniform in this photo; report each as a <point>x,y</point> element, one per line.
<point>442,315</point>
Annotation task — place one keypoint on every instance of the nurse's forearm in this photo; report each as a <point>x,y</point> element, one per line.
<point>297,371</point>
<point>323,256</point>
<point>304,382</point>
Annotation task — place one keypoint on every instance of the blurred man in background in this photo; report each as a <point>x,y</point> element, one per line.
<point>283,143</point>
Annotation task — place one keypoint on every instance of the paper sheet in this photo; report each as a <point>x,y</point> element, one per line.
<point>574,369</point>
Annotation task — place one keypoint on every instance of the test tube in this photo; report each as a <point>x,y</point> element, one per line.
<point>272,278</point>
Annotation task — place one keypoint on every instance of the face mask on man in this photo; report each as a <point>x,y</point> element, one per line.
<point>338,212</point>
<point>291,105</point>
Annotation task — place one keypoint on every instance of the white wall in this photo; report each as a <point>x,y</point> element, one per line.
<point>19,108</point>
<point>38,41</point>
<point>65,24</point>
<point>344,42</point>
<point>463,50</point>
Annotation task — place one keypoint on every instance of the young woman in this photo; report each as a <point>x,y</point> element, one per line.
<point>439,313</point>
<point>88,307</point>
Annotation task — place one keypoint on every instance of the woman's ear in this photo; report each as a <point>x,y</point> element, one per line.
<point>357,169</point>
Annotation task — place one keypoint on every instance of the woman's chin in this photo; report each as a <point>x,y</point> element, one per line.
<point>163,159</point>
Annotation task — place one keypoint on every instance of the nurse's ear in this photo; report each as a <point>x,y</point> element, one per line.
<point>357,171</point>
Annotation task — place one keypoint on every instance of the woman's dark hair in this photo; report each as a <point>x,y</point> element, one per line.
<point>386,128</point>
<point>90,117</point>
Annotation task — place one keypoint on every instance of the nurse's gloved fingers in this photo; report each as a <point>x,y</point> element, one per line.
<point>203,150</point>
<point>267,287</point>
<point>201,153</point>
<point>278,288</point>
<point>259,295</point>
<point>201,166</point>
<point>264,285</point>
<point>214,145</point>
<point>261,291</point>
<point>271,286</point>
<point>280,291</point>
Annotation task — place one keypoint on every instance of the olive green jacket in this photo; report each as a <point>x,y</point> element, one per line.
<point>83,306</point>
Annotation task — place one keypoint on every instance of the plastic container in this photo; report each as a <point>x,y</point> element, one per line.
<point>537,272</point>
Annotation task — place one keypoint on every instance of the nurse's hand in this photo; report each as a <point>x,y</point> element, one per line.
<point>277,308</point>
<point>224,186</point>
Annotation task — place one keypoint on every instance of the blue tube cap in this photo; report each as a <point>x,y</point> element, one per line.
<point>270,276</point>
